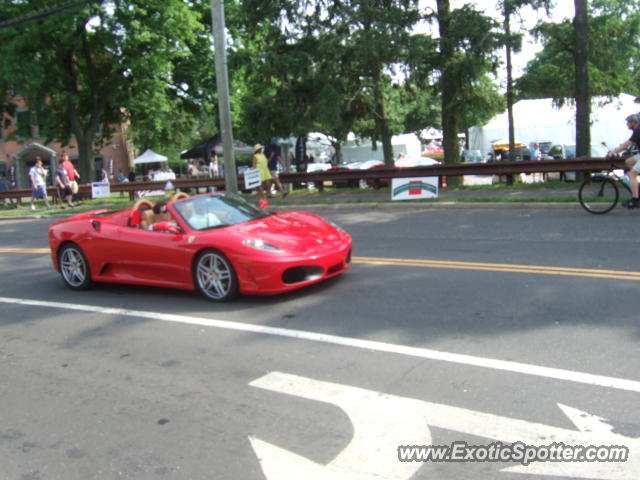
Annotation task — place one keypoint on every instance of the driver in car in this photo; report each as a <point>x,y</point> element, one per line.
<point>202,218</point>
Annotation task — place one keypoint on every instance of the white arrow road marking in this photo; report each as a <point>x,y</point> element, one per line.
<point>382,422</point>
<point>595,430</point>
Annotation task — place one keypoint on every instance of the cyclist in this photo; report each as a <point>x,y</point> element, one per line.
<point>632,163</point>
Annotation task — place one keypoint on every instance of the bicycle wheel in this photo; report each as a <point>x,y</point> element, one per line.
<point>598,194</point>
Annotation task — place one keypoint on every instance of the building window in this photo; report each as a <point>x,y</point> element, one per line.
<point>23,124</point>
<point>43,118</point>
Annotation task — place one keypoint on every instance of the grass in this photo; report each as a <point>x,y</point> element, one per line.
<point>332,195</point>
<point>115,202</point>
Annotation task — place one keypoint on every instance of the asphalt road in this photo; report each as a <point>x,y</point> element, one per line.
<point>445,329</point>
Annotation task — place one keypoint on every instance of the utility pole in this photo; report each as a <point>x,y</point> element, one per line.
<point>224,106</point>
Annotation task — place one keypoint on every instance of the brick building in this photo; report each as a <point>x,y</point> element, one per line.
<point>22,141</point>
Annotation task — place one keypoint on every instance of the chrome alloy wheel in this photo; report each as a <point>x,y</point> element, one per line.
<point>74,268</point>
<point>215,276</point>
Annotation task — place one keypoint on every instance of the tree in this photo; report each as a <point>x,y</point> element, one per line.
<point>326,64</point>
<point>106,64</point>
<point>467,46</point>
<point>481,105</point>
<point>602,44</point>
<point>614,45</point>
<point>513,42</point>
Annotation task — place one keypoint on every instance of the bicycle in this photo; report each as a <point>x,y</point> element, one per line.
<point>599,193</point>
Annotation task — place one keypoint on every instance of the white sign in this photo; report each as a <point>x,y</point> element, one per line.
<point>251,178</point>
<point>100,190</point>
<point>382,422</point>
<point>414,188</point>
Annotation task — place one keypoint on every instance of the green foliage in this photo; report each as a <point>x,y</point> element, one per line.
<point>614,46</point>
<point>295,67</point>
<point>326,67</point>
<point>467,52</point>
<point>106,64</point>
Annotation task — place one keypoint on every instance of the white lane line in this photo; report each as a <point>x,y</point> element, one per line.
<point>470,360</point>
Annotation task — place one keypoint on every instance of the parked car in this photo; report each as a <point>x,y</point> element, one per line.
<point>404,162</point>
<point>522,154</point>
<point>416,162</point>
<point>316,167</point>
<point>472,156</point>
<point>568,150</point>
<point>367,164</point>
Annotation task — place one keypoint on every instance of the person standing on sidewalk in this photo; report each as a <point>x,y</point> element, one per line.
<point>260,162</point>
<point>72,173</point>
<point>38,177</point>
<point>12,175</point>
<point>62,182</point>
<point>274,157</point>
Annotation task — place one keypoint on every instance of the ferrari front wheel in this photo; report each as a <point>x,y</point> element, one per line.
<point>74,267</point>
<point>214,276</point>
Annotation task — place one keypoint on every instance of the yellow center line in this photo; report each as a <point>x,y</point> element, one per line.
<point>24,250</point>
<point>500,267</point>
<point>454,265</point>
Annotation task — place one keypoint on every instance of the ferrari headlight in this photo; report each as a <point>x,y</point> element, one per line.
<point>335,225</point>
<point>261,245</point>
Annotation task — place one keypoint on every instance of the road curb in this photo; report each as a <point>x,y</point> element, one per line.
<point>382,206</point>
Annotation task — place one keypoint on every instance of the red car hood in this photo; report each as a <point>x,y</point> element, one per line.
<point>294,232</point>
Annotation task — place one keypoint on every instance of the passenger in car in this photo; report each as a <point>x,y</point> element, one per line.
<point>161,215</point>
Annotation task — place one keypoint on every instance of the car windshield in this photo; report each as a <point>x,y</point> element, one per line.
<point>216,211</point>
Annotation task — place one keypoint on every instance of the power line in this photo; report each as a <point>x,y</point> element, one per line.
<point>44,13</point>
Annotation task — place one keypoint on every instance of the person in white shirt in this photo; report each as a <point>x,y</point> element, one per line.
<point>38,177</point>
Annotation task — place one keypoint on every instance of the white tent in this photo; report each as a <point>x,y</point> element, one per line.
<point>150,156</point>
<point>540,121</point>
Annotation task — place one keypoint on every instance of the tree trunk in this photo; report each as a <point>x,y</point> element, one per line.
<point>84,130</point>
<point>448,88</point>
<point>583,97</point>
<point>87,159</point>
<point>337,146</point>
<point>382,123</point>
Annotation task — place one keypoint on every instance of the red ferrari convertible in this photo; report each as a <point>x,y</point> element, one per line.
<point>217,243</point>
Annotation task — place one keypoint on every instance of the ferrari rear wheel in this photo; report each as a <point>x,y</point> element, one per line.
<point>74,267</point>
<point>215,277</point>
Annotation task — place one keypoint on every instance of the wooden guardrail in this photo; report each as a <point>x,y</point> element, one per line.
<point>457,169</point>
